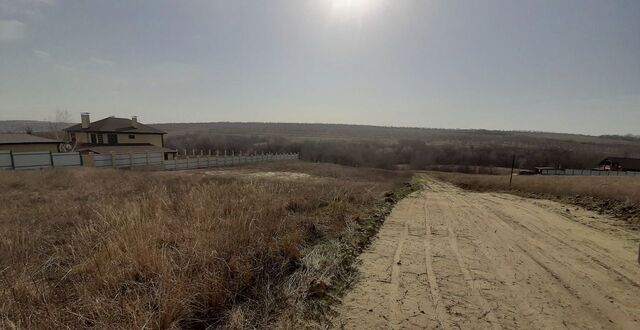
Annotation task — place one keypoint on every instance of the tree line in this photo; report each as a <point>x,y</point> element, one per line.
<point>408,153</point>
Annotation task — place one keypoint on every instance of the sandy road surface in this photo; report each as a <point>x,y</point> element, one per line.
<point>447,258</point>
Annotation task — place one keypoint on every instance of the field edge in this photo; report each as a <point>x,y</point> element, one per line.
<point>330,268</point>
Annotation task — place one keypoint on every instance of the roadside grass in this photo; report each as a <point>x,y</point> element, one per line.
<point>119,249</point>
<point>617,196</point>
<point>469,169</point>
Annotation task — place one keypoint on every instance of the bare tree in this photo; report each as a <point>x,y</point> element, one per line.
<point>57,124</point>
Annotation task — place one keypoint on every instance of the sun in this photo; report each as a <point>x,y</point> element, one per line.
<point>349,9</point>
<point>350,5</point>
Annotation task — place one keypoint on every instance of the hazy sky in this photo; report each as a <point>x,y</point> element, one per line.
<point>556,65</point>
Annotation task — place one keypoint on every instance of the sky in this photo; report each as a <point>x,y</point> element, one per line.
<point>545,65</point>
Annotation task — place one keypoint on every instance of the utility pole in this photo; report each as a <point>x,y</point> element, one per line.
<point>513,164</point>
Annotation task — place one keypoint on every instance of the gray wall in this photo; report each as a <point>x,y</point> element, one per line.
<point>38,160</point>
<point>222,161</point>
<point>194,162</point>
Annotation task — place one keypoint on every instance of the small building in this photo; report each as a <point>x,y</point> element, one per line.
<point>21,142</point>
<point>619,164</point>
<point>117,136</point>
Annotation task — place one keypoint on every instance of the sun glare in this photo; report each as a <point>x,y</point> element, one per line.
<point>349,5</point>
<point>353,8</point>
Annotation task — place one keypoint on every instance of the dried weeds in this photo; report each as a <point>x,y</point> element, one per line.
<point>118,249</point>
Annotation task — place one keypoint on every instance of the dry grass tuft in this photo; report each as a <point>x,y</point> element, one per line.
<point>117,249</point>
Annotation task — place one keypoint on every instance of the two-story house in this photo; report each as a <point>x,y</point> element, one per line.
<point>117,136</point>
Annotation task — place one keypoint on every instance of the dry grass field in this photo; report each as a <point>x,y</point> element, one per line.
<point>619,196</point>
<point>118,249</point>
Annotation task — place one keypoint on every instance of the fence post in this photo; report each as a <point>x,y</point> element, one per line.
<point>51,158</point>
<point>13,163</point>
<point>113,160</point>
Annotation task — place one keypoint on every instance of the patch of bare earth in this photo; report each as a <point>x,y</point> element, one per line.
<point>284,175</point>
<point>449,258</point>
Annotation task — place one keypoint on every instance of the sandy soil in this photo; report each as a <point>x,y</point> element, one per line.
<point>447,258</point>
<point>266,175</point>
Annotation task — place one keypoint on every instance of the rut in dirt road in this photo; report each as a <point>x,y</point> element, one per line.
<point>447,258</point>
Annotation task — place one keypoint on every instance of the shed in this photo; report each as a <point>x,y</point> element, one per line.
<point>21,142</point>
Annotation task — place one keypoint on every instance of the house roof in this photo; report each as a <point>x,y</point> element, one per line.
<point>115,125</point>
<point>125,149</point>
<point>625,163</point>
<point>21,138</point>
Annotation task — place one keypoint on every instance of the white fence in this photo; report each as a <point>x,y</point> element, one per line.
<point>152,160</point>
<point>38,159</point>
<point>128,160</point>
<point>222,161</point>
<point>192,162</point>
<point>588,172</point>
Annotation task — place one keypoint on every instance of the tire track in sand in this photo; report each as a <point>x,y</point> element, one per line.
<point>441,313</point>
<point>466,274</point>
<point>394,294</point>
<point>472,264</point>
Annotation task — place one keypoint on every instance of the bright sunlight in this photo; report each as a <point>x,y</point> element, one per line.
<point>350,5</point>
<point>354,8</point>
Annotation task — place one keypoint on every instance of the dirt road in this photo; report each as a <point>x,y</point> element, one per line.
<point>447,258</point>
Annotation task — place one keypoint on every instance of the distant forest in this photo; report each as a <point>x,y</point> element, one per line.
<point>414,148</point>
<point>389,147</point>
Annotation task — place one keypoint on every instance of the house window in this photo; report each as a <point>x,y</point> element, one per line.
<point>100,139</point>
<point>94,138</point>
<point>112,139</point>
<point>132,136</point>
